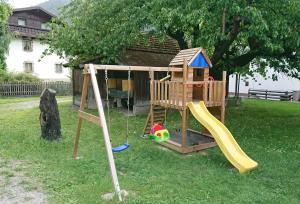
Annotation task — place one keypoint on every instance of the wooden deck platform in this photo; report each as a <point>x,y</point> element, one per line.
<point>178,104</point>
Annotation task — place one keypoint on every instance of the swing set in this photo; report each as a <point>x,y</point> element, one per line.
<point>89,73</point>
<point>190,90</point>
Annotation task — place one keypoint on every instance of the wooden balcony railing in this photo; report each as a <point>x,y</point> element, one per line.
<point>212,91</point>
<point>170,93</point>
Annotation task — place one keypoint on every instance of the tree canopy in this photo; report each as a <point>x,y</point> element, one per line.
<point>233,32</point>
<point>5,12</point>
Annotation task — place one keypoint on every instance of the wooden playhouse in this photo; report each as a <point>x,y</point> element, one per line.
<point>192,84</point>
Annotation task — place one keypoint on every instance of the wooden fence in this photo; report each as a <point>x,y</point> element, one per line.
<point>35,88</point>
<point>267,94</point>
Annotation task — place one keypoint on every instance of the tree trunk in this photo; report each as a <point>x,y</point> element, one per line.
<point>49,117</point>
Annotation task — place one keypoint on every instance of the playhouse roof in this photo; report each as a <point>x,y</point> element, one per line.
<point>195,57</point>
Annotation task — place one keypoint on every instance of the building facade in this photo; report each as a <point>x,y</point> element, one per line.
<point>283,83</point>
<point>26,50</point>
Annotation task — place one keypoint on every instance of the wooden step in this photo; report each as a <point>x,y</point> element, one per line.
<point>159,113</point>
<point>158,117</point>
<point>158,109</point>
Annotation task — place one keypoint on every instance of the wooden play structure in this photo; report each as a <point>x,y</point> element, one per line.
<point>192,84</point>
<point>187,88</point>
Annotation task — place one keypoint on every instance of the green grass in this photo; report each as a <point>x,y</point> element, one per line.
<point>11,100</point>
<point>269,132</point>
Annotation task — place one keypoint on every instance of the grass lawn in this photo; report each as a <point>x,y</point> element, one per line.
<point>11,100</point>
<point>269,132</point>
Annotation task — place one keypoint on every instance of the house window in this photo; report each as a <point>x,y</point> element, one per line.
<point>58,68</point>
<point>27,45</point>
<point>45,26</point>
<point>246,83</point>
<point>199,72</point>
<point>21,22</point>
<point>28,67</point>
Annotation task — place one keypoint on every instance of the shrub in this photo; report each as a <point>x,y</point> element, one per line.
<point>16,77</point>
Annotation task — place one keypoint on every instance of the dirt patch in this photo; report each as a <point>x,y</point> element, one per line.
<point>15,187</point>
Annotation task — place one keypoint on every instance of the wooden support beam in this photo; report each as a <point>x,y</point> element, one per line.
<point>86,81</point>
<point>151,96</point>
<point>223,97</point>
<point>89,117</point>
<point>108,146</point>
<point>188,122</point>
<point>184,98</point>
<point>173,145</point>
<point>136,68</point>
<point>179,148</point>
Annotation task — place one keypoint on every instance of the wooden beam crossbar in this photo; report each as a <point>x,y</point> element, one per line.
<point>136,68</point>
<point>89,117</point>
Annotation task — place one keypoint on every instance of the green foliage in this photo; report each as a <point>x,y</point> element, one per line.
<point>89,29</point>
<point>234,33</point>
<point>16,77</point>
<point>5,12</point>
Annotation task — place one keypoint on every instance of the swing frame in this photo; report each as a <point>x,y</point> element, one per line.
<point>89,73</point>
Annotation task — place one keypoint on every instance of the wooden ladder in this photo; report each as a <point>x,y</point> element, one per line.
<point>159,116</point>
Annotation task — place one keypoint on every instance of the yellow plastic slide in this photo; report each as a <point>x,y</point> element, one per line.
<point>223,137</point>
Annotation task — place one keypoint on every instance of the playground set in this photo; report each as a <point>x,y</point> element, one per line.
<point>187,88</point>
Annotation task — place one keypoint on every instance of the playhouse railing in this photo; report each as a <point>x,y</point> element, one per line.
<point>170,93</point>
<point>212,91</point>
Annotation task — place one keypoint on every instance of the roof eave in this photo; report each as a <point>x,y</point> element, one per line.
<point>34,8</point>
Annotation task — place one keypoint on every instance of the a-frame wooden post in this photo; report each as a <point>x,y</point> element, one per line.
<point>223,97</point>
<point>151,97</point>
<point>184,99</point>
<point>101,121</point>
<point>86,80</point>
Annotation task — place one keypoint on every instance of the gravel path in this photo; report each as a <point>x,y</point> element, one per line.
<point>27,104</point>
<point>16,187</point>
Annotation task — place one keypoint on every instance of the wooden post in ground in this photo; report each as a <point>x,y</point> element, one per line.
<point>223,97</point>
<point>108,146</point>
<point>188,121</point>
<point>86,80</point>
<point>184,97</point>
<point>151,97</point>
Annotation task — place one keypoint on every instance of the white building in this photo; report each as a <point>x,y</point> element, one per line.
<point>25,50</point>
<point>284,83</point>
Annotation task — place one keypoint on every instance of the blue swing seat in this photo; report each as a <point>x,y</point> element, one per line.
<point>120,148</point>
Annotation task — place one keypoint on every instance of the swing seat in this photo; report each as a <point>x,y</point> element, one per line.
<point>120,148</point>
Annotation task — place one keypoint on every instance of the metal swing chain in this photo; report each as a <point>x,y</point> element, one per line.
<point>150,75</point>
<point>107,100</point>
<point>128,98</point>
<point>168,72</point>
<point>166,112</point>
